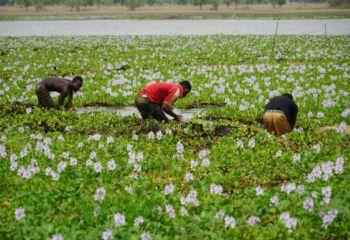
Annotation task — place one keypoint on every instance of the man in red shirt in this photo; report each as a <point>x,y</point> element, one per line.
<point>157,98</point>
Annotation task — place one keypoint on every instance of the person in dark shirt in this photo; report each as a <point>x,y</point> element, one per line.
<point>64,86</point>
<point>280,114</point>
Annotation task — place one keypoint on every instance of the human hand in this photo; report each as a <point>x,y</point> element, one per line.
<point>179,118</point>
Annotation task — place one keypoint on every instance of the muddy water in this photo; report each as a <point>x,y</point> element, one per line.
<point>174,27</point>
<point>334,128</point>
<point>124,111</point>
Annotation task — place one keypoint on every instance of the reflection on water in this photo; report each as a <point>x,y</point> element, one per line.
<point>130,110</point>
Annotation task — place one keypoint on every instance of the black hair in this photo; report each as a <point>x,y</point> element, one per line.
<point>78,78</point>
<point>186,84</point>
<point>288,95</point>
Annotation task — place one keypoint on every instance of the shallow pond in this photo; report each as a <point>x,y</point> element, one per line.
<point>175,27</point>
<point>124,111</point>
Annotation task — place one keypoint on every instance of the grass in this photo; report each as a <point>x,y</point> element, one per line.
<point>222,164</point>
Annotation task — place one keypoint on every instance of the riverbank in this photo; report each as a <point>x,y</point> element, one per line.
<point>254,11</point>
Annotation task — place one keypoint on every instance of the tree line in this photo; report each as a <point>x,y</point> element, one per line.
<point>40,5</point>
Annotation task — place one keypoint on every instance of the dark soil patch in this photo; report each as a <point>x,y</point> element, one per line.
<point>204,105</point>
<point>102,104</point>
<point>240,120</point>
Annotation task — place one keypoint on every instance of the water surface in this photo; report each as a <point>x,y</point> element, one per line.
<point>125,111</point>
<point>174,27</point>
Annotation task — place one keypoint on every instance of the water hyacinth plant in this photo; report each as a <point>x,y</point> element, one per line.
<point>99,175</point>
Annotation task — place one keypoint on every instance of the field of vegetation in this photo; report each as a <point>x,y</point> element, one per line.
<point>97,175</point>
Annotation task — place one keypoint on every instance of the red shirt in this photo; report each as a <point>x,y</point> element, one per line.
<point>163,92</point>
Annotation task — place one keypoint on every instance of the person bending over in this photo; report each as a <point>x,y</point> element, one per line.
<point>157,99</point>
<point>280,114</point>
<point>64,86</point>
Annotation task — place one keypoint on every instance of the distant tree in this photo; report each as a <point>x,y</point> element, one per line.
<point>215,4</point>
<point>77,5</point>
<point>181,2</point>
<point>89,3</point>
<point>273,2</point>
<point>27,3</point>
<point>335,3</point>
<point>3,2</point>
<point>199,3</point>
<point>281,2</point>
<point>236,2</point>
<point>227,3</point>
<point>69,3</point>
<point>151,2</point>
<point>133,4</point>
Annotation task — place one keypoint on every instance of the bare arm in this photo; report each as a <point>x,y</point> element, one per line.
<point>62,97</point>
<point>168,109</point>
<point>70,99</point>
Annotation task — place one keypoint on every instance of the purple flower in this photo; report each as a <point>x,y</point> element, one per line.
<point>170,211</point>
<point>119,219</point>
<point>202,154</point>
<point>191,198</point>
<point>61,166</point>
<point>146,236</point>
<point>169,189</point>
<point>107,235</point>
<point>189,177</point>
<point>288,188</point>
<point>193,163</point>
<point>240,143</point>
<point>100,194</point>
<point>159,135</point>
<point>95,137</point>
<point>73,162</point>
<point>180,148</point>
<point>328,218</point>
<point>111,165</point>
<point>20,214</point>
<point>98,167</point>
<point>278,154</point>
<point>110,139</point>
<point>259,191</point>
<point>317,148</point>
<point>251,143</point>
<point>65,154</point>
<point>253,220</point>
<point>205,162</point>
<point>3,151</point>
<point>92,155</point>
<point>151,135</point>
<point>309,204</point>
<point>296,158</point>
<point>230,222</point>
<point>57,236</point>
<point>274,200</point>
<point>215,189</point>
<point>138,221</point>
<point>220,215</point>
<point>288,221</point>
<point>183,211</point>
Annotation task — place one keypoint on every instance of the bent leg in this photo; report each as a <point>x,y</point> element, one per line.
<point>44,98</point>
<point>268,122</point>
<point>158,113</point>
<point>142,105</point>
<point>281,123</point>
